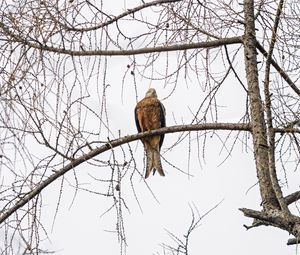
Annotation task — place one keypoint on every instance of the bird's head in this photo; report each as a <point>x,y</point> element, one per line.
<point>151,93</point>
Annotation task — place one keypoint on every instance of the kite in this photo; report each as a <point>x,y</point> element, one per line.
<point>149,115</point>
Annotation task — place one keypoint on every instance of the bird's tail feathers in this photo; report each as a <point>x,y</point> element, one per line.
<point>149,163</point>
<point>157,163</point>
<point>153,162</point>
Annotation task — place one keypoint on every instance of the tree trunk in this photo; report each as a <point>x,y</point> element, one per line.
<point>258,123</point>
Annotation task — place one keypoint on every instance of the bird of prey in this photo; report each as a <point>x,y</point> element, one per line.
<point>149,115</point>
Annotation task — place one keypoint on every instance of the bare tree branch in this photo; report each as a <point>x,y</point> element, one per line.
<point>120,16</point>
<point>257,112</point>
<point>275,218</point>
<point>292,197</point>
<point>282,73</point>
<point>166,48</point>
<point>108,146</point>
<point>293,241</point>
<point>115,143</point>
<point>269,117</point>
<point>57,83</point>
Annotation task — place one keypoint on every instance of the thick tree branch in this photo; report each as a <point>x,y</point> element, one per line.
<point>278,218</point>
<point>293,241</point>
<point>292,197</point>
<point>275,218</point>
<point>117,142</point>
<point>260,143</point>
<point>287,130</point>
<point>272,217</point>
<point>108,146</point>
<point>268,107</point>
<point>165,48</point>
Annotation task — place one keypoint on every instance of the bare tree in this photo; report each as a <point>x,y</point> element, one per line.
<point>56,55</point>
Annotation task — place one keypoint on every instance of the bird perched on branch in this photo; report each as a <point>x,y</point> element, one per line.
<point>150,115</point>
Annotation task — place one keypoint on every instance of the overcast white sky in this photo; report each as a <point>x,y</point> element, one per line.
<point>80,228</point>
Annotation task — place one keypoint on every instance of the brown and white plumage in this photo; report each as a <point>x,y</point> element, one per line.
<point>150,115</point>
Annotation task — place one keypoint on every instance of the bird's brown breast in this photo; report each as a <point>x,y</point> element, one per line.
<point>148,114</point>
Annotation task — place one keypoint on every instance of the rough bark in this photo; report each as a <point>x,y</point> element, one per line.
<point>269,115</point>
<point>275,207</point>
<point>257,112</point>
